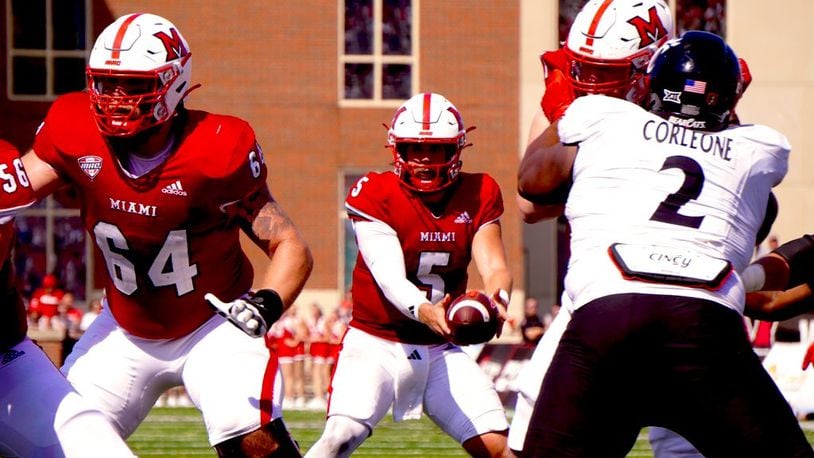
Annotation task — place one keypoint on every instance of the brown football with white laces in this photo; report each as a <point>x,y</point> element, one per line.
<point>472,318</point>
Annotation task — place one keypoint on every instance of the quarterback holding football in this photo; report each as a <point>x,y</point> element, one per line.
<point>417,228</point>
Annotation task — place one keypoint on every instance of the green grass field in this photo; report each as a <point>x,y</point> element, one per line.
<point>179,432</point>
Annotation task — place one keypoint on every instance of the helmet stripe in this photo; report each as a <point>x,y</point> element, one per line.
<point>595,22</point>
<point>425,122</point>
<point>117,43</point>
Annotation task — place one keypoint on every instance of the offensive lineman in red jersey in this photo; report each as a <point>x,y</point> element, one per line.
<point>43,415</point>
<point>417,230</point>
<point>165,193</point>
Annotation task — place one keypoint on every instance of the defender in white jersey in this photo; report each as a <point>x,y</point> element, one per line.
<point>607,51</point>
<point>664,209</point>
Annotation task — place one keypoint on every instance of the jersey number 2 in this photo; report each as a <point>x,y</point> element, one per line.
<point>170,267</point>
<point>667,211</point>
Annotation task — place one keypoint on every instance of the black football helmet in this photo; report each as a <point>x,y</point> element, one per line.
<point>695,80</point>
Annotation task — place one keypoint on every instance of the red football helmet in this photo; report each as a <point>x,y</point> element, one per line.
<point>138,72</point>
<point>427,118</point>
<point>611,43</point>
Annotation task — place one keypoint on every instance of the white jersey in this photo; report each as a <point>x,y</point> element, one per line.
<point>669,194</point>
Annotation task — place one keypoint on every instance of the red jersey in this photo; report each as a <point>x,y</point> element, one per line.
<point>15,194</point>
<point>437,249</point>
<point>170,236</point>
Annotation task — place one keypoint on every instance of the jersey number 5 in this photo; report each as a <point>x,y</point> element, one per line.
<point>426,261</point>
<point>170,267</point>
<point>667,211</point>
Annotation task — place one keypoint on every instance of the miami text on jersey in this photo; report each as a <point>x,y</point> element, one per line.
<point>436,236</point>
<point>135,208</point>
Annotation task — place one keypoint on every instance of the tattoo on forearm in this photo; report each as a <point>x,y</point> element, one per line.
<point>270,222</point>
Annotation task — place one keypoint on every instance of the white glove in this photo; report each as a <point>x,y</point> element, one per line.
<point>252,314</point>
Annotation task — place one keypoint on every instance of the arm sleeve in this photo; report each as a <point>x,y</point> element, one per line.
<point>381,250</point>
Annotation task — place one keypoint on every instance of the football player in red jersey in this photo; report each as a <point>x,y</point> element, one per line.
<point>165,193</point>
<point>417,229</point>
<point>43,415</point>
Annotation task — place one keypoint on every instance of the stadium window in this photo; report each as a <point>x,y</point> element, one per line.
<point>51,238</point>
<point>707,15</point>
<point>377,63</point>
<point>347,239</point>
<point>47,47</point>
<point>568,10</point>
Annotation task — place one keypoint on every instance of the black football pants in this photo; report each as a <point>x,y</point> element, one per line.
<point>631,360</point>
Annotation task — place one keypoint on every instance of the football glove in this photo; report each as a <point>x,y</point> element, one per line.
<point>252,313</point>
<point>558,90</point>
<point>746,75</point>
<point>808,359</point>
<point>746,80</point>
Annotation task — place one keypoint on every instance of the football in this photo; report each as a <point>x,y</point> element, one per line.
<point>472,318</point>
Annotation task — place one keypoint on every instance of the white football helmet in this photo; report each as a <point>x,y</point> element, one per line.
<point>427,118</point>
<point>611,43</point>
<point>138,72</point>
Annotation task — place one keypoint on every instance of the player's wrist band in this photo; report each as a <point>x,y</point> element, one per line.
<point>503,297</point>
<point>269,304</point>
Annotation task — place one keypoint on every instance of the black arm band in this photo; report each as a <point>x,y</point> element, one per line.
<point>269,304</point>
<point>799,254</point>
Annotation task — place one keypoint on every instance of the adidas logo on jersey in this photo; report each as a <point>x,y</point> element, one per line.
<point>10,356</point>
<point>463,218</point>
<point>174,188</point>
<point>414,356</point>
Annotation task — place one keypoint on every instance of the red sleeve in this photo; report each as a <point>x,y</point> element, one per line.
<point>368,199</point>
<point>241,174</point>
<point>65,128</point>
<point>16,191</point>
<point>491,201</point>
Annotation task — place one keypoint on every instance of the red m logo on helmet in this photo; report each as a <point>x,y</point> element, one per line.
<point>173,44</point>
<point>650,30</point>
